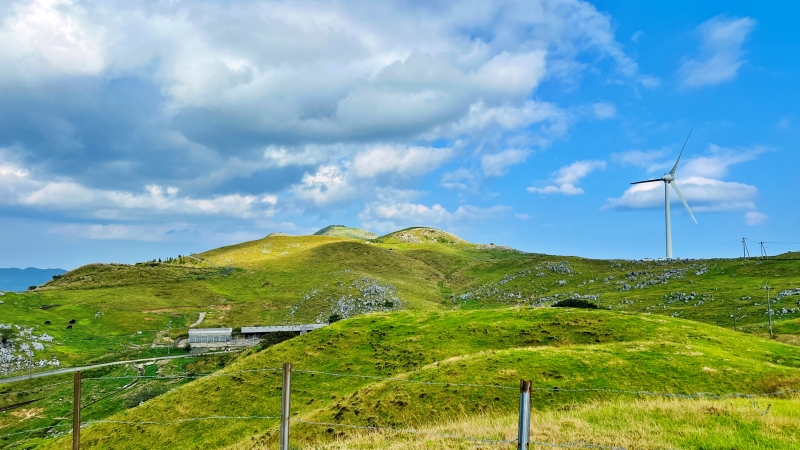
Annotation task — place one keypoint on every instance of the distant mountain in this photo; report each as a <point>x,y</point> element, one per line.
<point>15,280</point>
<point>343,231</point>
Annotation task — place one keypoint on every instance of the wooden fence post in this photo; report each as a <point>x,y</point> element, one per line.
<point>285,397</point>
<point>76,411</point>
<point>524,428</point>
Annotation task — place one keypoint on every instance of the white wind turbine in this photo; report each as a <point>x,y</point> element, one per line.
<point>669,179</point>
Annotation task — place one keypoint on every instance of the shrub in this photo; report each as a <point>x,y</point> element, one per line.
<point>145,393</point>
<point>574,303</point>
<point>334,318</point>
<point>271,339</point>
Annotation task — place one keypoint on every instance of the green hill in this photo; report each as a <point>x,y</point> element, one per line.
<point>433,282</point>
<point>454,366</point>
<point>343,231</point>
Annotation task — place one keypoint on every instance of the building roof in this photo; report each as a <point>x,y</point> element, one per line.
<point>273,329</point>
<point>210,331</point>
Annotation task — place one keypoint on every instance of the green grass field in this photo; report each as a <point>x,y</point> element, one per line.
<point>431,356</point>
<point>425,305</point>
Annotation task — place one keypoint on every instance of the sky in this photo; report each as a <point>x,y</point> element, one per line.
<point>133,130</point>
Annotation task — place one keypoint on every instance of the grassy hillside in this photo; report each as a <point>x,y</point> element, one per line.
<point>449,369</point>
<point>343,231</point>
<point>122,310</point>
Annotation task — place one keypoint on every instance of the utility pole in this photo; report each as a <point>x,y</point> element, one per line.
<point>769,310</point>
<point>285,397</point>
<point>763,249</point>
<point>745,252</point>
<point>76,411</point>
<point>524,426</point>
<point>169,334</point>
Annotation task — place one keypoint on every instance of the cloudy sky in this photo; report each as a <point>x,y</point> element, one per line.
<point>132,130</point>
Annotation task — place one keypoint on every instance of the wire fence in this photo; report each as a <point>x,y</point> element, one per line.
<point>406,430</point>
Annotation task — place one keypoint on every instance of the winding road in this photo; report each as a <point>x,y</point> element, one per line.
<point>76,369</point>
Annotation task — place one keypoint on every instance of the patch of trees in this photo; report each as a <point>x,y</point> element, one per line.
<point>574,303</point>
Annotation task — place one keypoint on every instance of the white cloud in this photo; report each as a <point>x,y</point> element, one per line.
<point>717,163</point>
<point>566,178</point>
<point>604,110</point>
<point>754,218</point>
<point>19,187</point>
<point>328,184</point>
<point>702,194</point>
<point>155,232</point>
<point>721,53</point>
<point>411,161</point>
<point>498,164</point>
<point>395,211</point>
<point>697,178</point>
<point>649,159</point>
<point>44,37</point>
<point>462,180</point>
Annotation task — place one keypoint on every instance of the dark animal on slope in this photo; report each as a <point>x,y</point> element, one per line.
<point>72,321</point>
<point>47,322</point>
<point>69,327</point>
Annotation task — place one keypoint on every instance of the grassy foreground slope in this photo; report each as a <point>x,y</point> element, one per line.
<point>464,365</point>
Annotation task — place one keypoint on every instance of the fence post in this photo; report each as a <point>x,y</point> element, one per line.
<point>524,436</point>
<point>285,396</point>
<point>76,411</point>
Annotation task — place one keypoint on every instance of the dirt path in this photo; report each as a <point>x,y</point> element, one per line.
<point>202,316</point>
<point>75,369</point>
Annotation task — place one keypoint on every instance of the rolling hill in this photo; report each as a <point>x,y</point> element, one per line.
<point>424,304</point>
<point>411,370</point>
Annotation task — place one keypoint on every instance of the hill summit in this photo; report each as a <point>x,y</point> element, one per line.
<point>343,231</point>
<point>420,235</point>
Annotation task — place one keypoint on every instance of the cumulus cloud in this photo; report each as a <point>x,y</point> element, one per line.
<point>702,194</point>
<point>754,218</point>
<point>409,161</point>
<point>698,179</point>
<point>566,178</point>
<point>127,111</point>
<point>18,187</point>
<point>721,53</point>
<point>498,164</point>
<point>397,209</point>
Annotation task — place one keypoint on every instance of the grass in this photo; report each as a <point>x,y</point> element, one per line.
<point>283,279</point>
<point>447,311</point>
<point>642,424</point>
<point>558,347</point>
<point>47,402</point>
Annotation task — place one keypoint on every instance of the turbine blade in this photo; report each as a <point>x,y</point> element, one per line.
<point>647,181</point>
<point>678,191</point>
<point>675,167</point>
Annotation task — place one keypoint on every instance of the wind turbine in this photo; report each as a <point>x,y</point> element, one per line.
<point>669,179</point>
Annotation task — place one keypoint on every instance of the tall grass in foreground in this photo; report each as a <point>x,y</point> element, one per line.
<point>762,423</point>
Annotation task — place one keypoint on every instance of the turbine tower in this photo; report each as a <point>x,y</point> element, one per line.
<point>669,179</point>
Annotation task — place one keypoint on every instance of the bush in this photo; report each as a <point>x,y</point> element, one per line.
<point>145,393</point>
<point>271,339</point>
<point>574,303</point>
<point>334,318</point>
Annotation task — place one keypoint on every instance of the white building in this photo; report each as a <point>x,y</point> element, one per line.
<point>210,335</point>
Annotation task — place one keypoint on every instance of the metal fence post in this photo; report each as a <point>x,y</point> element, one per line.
<point>76,411</point>
<point>524,427</point>
<point>285,396</point>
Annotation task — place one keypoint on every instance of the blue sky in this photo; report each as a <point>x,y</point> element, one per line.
<point>137,130</point>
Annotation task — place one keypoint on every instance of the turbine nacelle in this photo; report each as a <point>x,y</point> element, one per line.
<point>668,177</point>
